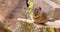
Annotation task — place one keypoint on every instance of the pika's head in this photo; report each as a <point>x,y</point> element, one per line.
<point>37,12</point>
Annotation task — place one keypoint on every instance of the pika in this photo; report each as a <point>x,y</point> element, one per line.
<point>39,16</point>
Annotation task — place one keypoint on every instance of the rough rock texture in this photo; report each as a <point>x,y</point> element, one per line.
<point>56,14</point>
<point>10,10</point>
<point>56,1</point>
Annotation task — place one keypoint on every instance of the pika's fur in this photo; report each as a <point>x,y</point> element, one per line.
<point>39,16</point>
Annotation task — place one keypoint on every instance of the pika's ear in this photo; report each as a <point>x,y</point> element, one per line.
<point>40,8</point>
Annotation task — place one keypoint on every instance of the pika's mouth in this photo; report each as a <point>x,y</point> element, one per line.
<point>35,14</point>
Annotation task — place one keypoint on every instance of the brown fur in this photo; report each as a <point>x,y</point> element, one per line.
<point>39,16</point>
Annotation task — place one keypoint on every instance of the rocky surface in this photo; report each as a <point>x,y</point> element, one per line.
<point>10,10</point>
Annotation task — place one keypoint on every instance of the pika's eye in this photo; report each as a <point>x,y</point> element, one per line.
<point>40,8</point>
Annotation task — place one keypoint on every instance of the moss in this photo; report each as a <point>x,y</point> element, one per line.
<point>4,27</point>
<point>25,27</point>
